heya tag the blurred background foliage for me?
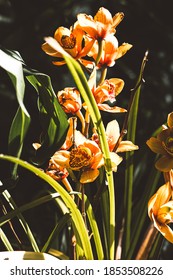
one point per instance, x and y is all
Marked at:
(147, 26)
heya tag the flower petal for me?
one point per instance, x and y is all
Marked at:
(164, 164)
(115, 109)
(89, 176)
(170, 120)
(115, 160)
(165, 230)
(123, 49)
(112, 133)
(156, 146)
(126, 146)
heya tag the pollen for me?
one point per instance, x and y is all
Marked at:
(68, 42)
(80, 157)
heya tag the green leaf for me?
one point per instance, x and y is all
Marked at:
(14, 68)
(52, 117)
(77, 219)
(131, 135)
(18, 131)
(12, 62)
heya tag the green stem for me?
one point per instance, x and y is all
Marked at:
(100, 44)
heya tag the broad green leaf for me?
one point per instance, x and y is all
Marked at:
(14, 68)
(52, 117)
(18, 131)
(12, 62)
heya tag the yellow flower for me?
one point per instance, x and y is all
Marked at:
(163, 145)
(101, 25)
(160, 211)
(72, 41)
(70, 100)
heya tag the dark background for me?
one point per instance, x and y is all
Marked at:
(147, 26)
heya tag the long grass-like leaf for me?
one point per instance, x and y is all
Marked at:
(5, 240)
(22, 221)
(131, 135)
(77, 220)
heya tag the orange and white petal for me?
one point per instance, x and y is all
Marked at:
(88, 24)
(119, 84)
(88, 176)
(156, 146)
(109, 109)
(164, 164)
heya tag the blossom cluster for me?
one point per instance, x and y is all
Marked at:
(91, 42)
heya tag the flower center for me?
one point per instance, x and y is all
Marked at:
(68, 42)
(80, 157)
(169, 144)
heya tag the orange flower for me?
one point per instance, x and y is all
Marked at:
(70, 100)
(163, 145)
(101, 25)
(160, 211)
(110, 52)
(107, 91)
(72, 41)
(86, 157)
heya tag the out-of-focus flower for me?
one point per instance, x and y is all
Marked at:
(101, 25)
(160, 211)
(163, 145)
(107, 91)
(72, 41)
(110, 52)
(70, 100)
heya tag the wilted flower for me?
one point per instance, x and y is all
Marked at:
(101, 25)
(163, 145)
(107, 91)
(160, 211)
(57, 172)
(70, 100)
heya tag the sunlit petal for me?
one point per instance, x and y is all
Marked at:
(126, 146)
(89, 176)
